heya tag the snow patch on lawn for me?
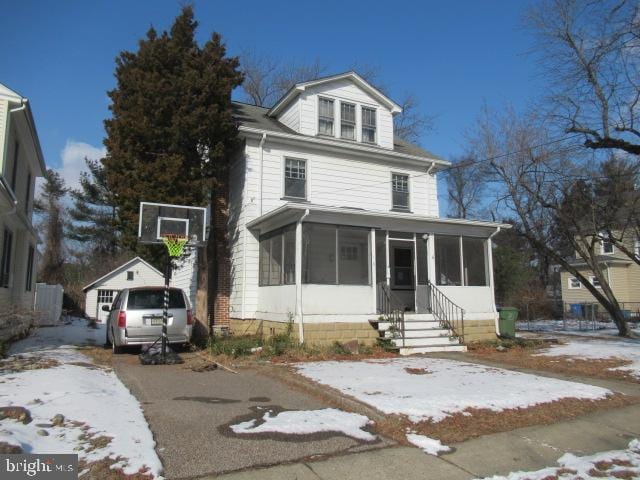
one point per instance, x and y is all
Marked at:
(451, 387)
(612, 464)
(304, 422)
(428, 445)
(82, 393)
(625, 349)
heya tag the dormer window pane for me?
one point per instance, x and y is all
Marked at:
(368, 125)
(400, 191)
(348, 121)
(325, 118)
(295, 178)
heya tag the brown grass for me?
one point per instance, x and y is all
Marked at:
(527, 358)
(325, 354)
(101, 470)
(417, 371)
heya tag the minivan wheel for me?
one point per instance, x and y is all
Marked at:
(107, 341)
(116, 349)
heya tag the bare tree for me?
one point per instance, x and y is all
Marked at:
(466, 183)
(591, 53)
(540, 184)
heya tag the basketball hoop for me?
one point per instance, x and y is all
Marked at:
(175, 244)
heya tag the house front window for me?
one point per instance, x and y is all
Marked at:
(325, 116)
(607, 248)
(335, 255)
(295, 178)
(368, 125)
(574, 283)
(400, 191)
(278, 257)
(595, 282)
(5, 261)
(636, 248)
(29, 276)
(348, 121)
(460, 261)
(105, 296)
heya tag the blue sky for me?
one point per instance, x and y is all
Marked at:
(453, 56)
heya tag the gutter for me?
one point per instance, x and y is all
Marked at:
(491, 282)
(364, 150)
(299, 283)
(32, 129)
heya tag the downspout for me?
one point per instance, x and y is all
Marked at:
(299, 282)
(261, 147)
(493, 290)
(431, 168)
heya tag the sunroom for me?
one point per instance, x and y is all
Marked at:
(331, 264)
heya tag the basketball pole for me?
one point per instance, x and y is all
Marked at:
(165, 307)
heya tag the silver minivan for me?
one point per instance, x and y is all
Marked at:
(135, 317)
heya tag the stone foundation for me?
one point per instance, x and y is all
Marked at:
(328, 333)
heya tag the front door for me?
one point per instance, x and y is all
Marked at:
(402, 278)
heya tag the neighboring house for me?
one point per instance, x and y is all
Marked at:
(623, 276)
(21, 161)
(136, 273)
(333, 222)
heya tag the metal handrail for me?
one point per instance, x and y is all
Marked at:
(391, 309)
(450, 315)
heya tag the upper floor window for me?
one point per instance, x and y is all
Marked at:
(607, 247)
(27, 197)
(295, 178)
(325, 116)
(368, 125)
(400, 191)
(5, 260)
(636, 248)
(595, 281)
(348, 121)
(29, 276)
(574, 283)
(129, 275)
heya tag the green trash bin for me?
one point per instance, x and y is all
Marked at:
(507, 321)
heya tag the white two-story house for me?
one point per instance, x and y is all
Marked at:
(21, 161)
(334, 226)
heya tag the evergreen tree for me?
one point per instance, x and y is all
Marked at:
(172, 128)
(94, 212)
(48, 206)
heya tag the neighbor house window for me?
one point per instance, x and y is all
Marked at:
(129, 275)
(30, 260)
(447, 253)
(368, 125)
(636, 248)
(574, 283)
(27, 196)
(106, 296)
(400, 191)
(335, 255)
(14, 171)
(295, 178)
(607, 247)
(278, 257)
(348, 121)
(473, 255)
(325, 116)
(5, 263)
(595, 282)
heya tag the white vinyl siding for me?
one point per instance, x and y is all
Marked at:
(290, 116)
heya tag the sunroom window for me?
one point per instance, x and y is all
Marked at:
(278, 257)
(460, 261)
(295, 178)
(348, 121)
(400, 191)
(325, 116)
(447, 253)
(368, 125)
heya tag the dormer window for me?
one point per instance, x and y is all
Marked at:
(325, 117)
(368, 125)
(607, 247)
(347, 121)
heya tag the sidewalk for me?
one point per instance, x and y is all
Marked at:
(530, 448)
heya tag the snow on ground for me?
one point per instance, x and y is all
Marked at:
(81, 392)
(427, 444)
(625, 349)
(304, 422)
(586, 328)
(445, 388)
(612, 464)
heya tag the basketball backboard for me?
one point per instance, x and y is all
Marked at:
(158, 220)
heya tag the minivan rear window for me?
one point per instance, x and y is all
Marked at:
(153, 299)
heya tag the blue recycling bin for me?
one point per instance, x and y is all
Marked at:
(577, 309)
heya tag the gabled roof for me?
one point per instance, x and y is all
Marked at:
(7, 92)
(124, 266)
(254, 117)
(351, 75)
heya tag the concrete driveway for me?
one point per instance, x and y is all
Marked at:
(189, 413)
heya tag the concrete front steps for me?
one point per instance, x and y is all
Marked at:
(422, 334)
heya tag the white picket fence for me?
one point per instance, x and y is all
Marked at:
(48, 303)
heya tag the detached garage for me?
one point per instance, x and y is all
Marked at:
(135, 273)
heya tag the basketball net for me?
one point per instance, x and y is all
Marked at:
(175, 244)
